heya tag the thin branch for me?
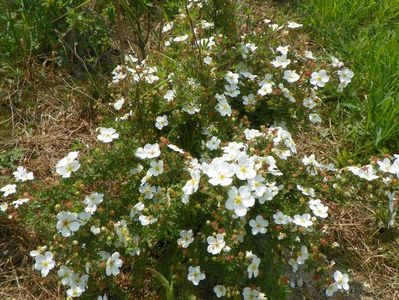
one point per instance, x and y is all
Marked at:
(195, 36)
(120, 30)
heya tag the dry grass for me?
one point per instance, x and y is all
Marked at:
(18, 279)
(47, 115)
(369, 254)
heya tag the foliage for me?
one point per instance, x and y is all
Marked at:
(68, 28)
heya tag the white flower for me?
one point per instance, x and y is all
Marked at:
(21, 174)
(3, 206)
(9, 189)
(309, 102)
(180, 38)
(192, 185)
(186, 238)
(336, 63)
(67, 223)
(294, 264)
(253, 268)
(156, 168)
(213, 143)
(215, 244)
(259, 225)
(283, 50)
(85, 216)
(303, 255)
(161, 122)
(232, 151)
(149, 151)
(147, 220)
(190, 108)
(92, 201)
(95, 230)
(148, 191)
(107, 135)
(281, 61)
(306, 191)
(291, 76)
(271, 191)
(281, 219)
(220, 290)
(341, 280)
(167, 27)
(394, 168)
(66, 170)
(170, 95)
(67, 276)
(319, 210)
(246, 48)
(208, 60)
(44, 263)
(265, 89)
(232, 78)
(319, 79)
(366, 172)
(231, 90)
(113, 264)
(315, 118)
(309, 55)
(240, 200)
(252, 294)
(223, 107)
(384, 165)
(75, 291)
(331, 289)
(303, 220)
(257, 185)
(68, 164)
(249, 99)
(195, 275)
(175, 148)
(220, 172)
(345, 76)
(251, 134)
(312, 165)
(137, 208)
(267, 79)
(293, 25)
(244, 168)
(119, 103)
(207, 25)
(20, 202)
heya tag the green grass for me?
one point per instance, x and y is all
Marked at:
(366, 34)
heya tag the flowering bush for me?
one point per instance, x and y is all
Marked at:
(196, 179)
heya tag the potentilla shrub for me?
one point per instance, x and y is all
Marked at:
(196, 180)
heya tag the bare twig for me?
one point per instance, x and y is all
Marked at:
(120, 30)
(194, 35)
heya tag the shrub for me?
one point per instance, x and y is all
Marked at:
(68, 27)
(197, 180)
